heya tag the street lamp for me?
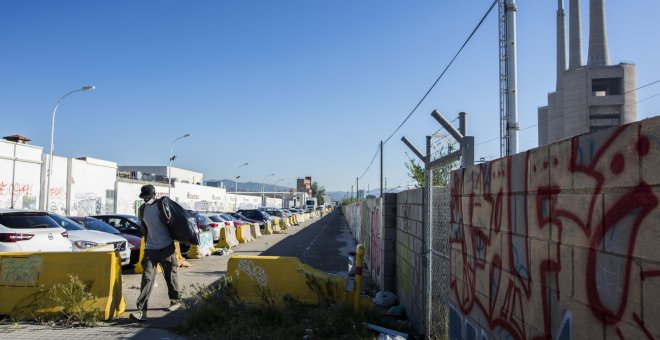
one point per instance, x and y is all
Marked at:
(263, 200)
(236, 187)
(52, 138)
(274, 187)
(169, 167)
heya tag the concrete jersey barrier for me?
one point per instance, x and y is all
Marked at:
(227, 238)
(255, 230)
(205, 247)
(268, 228)
(22, 276)
(243, 233)
(282, 276)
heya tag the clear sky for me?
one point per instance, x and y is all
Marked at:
(296, 88)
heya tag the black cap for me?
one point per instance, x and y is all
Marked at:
(147, 190)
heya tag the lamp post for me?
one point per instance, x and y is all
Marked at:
(263, 200)
(236, 187)
(236, 193)
(169, 167)
(52, 139)
(274, 187)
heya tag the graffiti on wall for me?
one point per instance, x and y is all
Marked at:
(86, 204)
(541, 238)
(22, 196)
(364, 220)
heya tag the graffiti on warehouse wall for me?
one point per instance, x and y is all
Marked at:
(85, 204)
(22, 196)
(558, 236)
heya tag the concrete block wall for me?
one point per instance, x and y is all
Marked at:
(560, 241)
(409, 258)
(388, 248)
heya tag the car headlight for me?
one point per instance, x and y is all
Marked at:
(85, 244)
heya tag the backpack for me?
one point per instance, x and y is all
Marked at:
(178, 220)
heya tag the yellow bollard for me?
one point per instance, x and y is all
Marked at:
(359, 261)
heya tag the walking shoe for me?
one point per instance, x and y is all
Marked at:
(139, 316)
(174, 305)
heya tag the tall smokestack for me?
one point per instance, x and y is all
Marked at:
(598, 55)
(561, 44)
(575, 39)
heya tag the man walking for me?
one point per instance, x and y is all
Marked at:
(159, 249)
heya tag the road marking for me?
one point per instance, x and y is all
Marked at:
(314, 240)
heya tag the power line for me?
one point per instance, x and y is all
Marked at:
(443, 72)
(434, 83)
(372, 161)
(647, 98)
(625, 93)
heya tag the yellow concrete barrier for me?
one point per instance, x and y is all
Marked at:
(255, 230)
(276, 227)
(25, 279)
(283, 276)
(243, 233)
(138, 267)
(227, 238)
(268, 228)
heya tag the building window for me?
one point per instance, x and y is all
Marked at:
(602, 87)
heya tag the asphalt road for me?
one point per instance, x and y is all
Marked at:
(323, 244)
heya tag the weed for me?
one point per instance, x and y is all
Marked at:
(75, 302)
(72, 301)
(216, 311)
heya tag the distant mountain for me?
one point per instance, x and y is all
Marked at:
(230, 185)
(340, 195)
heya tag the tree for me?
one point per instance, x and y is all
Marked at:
(318, 192)
(440, 174)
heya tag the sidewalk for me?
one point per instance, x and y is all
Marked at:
(327, 233)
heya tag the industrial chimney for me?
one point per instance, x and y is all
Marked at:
(561, 44)
(575, 39)
(598, 55)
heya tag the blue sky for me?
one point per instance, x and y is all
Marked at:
(295, 88)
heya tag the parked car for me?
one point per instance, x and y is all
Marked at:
(83, 239)
(31, 231)
(235, 220)
(217, 221)
(91, 223)
(242, 217)
(203, 222)
(260, 216)
(281, 213)
(127, 224)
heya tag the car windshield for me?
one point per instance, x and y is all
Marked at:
(216, 218)
(28, 220)
(228, 217)
(66, 223)
(94, 224)
(133, 219)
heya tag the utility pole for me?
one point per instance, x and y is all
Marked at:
(381, 168)
(357, 187)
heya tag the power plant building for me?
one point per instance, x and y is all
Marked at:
(588, 97)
